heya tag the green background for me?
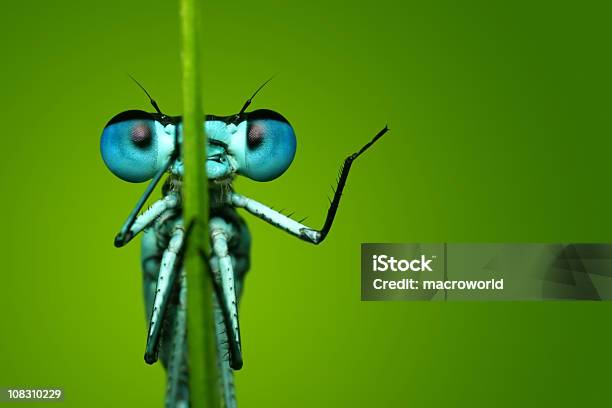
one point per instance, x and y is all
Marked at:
(500, 118)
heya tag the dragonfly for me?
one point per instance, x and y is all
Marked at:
(139, 146)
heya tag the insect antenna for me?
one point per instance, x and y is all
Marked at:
(153, 103)
(248, 102)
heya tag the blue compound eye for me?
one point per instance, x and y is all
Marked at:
(270, 145)
(129, 146)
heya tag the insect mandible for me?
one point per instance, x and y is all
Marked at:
(138, 146)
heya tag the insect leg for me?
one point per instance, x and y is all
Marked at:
(177, 394)
(150, 259)
(294, 227)
(165, 283)
(221, 232)
(124, 234)
(226, 375)
(172, 200)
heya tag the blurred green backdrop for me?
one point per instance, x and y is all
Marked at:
(500, 118)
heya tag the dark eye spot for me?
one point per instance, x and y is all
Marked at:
(141, 134)
(255, 136)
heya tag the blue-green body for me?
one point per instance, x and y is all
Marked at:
(138, 146)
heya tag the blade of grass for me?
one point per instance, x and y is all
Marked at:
(203, 378)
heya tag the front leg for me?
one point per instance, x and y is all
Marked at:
(294, 227)
(130, 230)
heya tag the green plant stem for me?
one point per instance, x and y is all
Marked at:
(203, 378)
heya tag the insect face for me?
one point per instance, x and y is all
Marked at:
(260, 145)
(220, 164)
(135, 145)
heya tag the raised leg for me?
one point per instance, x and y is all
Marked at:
(165, 283)
(295, 227)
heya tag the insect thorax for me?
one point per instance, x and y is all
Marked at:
(217, 192)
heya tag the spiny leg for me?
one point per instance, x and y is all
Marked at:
(226, 375)
(295, 227)
(173, 331)
(165, 283)
(221, 232)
